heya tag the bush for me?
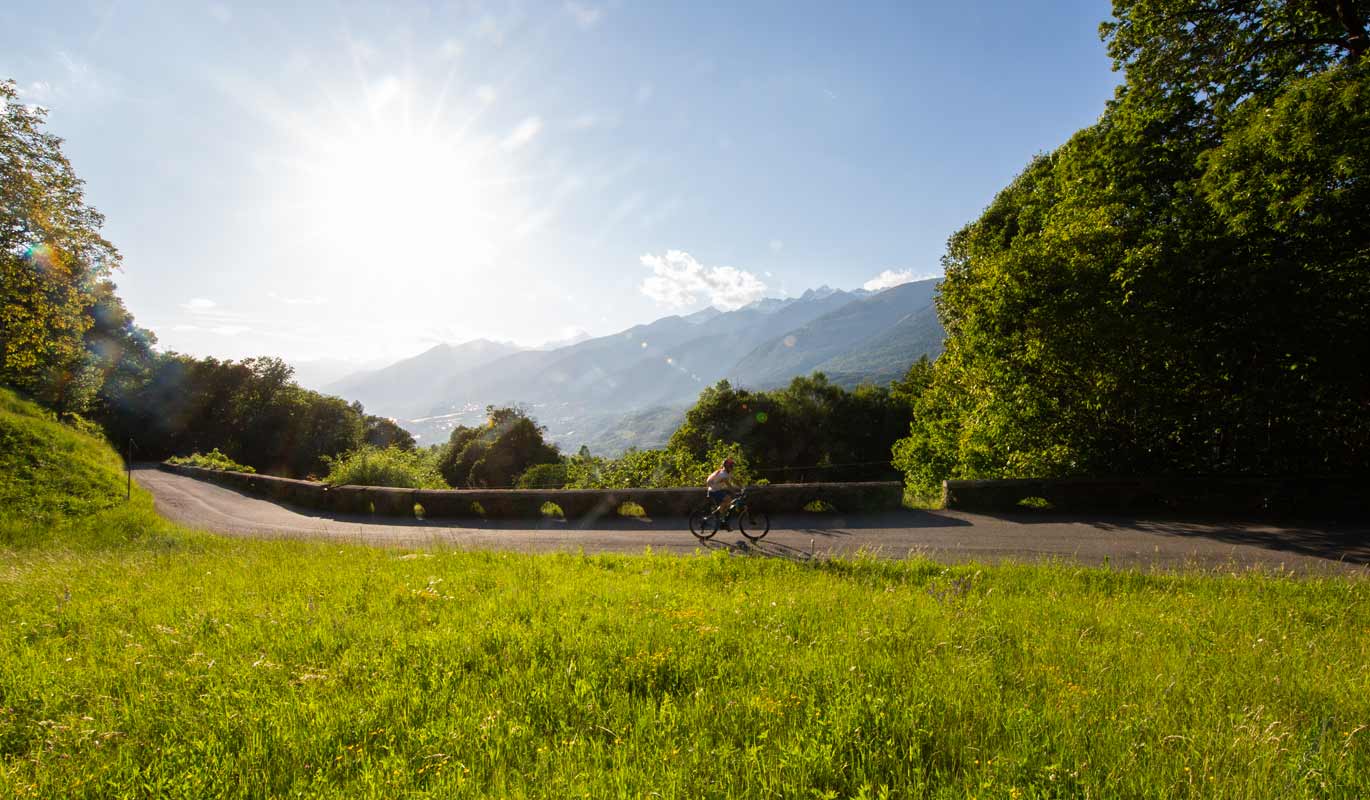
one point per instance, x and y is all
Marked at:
(390, 466)
(214, 459)
(654, 469)
(543, 476)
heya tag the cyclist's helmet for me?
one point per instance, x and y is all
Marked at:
(727, 463)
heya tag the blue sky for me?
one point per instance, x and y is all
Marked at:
(361, 181)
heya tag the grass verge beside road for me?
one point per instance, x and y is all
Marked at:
(138, 659)
(277, 668)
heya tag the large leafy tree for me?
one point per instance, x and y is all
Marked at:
(52, 262)
(810, 430)
(1224, 52)
(252, 410)
(1182, 286)
(495, 455)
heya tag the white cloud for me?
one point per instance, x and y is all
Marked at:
(585, 15)
(39, 92)
(230, 330)
(69, 81)
(891, 278)
(678, 280)
(309, 300)
(486, 94)
(584, 121)
(199, 304)
(522, 134)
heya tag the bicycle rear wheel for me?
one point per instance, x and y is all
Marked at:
(754, 524)
(703, 524)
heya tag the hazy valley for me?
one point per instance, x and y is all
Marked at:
(631, 389)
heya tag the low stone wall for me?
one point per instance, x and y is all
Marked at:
(1301, 495)
(529, 503)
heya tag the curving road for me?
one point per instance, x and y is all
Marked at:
(947, 536)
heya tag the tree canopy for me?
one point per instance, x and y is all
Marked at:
(1182, 287)
(53, 263)
(496, 454)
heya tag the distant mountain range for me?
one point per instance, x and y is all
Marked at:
(392, 390)
(632, 388)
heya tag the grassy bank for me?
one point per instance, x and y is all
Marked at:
(137, 659)
(292, 668)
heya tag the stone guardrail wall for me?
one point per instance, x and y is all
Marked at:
(526, 503)
(1312, 495)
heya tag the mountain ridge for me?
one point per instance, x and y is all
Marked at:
(653, 371)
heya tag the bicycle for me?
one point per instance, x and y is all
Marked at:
(751, 523)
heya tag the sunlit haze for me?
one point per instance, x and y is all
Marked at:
(359, 182)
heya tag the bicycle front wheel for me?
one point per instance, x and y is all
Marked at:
(703, 524)
(754, 524)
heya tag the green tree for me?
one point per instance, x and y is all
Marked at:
(52, 260)
(1180, 287)
(1221, 53)
(543, 476)
(383, 432)
(495, 455)
(811, 430)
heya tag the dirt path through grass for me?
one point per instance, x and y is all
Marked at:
(942, 535)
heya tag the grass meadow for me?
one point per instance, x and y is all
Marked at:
(142, 660)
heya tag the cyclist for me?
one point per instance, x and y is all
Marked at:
(721, 487)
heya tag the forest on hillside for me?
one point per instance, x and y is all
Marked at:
(1181, 288)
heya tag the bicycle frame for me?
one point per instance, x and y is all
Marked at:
(738, 504)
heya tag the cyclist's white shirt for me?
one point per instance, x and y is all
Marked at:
(721, 479)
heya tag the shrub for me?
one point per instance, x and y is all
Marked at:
(390, 466)
(659, 469)
(543, 476)
(214, 459)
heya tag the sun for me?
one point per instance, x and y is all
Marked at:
(394, 175)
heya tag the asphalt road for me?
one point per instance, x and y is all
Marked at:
(948, 536)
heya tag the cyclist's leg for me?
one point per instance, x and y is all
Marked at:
(725, 509)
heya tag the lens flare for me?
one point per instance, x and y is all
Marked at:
(40, 255)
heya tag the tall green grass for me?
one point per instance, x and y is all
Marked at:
(261, 669)
(178, 665)
(61, 486)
